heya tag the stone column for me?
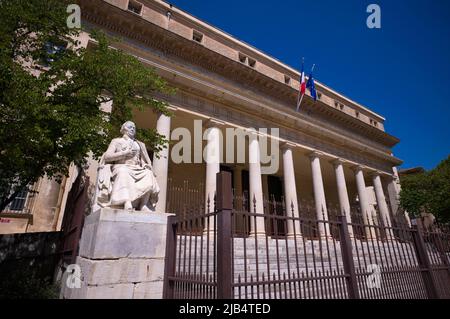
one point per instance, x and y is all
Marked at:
(394, 195)
(290, 190)
(344, 202)
(256, 191)
(364, 202)
(161, 164)
(212, 158)
(319, 194)
(382, 205)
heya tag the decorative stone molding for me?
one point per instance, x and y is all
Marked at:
(212, 122)
(315, 154)
(288, 145)
(338, 161)
(357, 168)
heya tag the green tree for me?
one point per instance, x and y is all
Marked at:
(51, 91)
(428, 192)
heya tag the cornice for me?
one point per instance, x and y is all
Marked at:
(231, 41)
(171, 44)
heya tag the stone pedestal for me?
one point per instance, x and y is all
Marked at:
(121, 256)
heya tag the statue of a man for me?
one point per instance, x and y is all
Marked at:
(126, 177)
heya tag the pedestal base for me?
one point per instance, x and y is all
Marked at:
(121, 256)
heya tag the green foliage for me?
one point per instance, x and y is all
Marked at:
(25, 282)
(428, 192)
(51, 119)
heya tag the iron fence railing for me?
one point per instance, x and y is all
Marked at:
(238, 252)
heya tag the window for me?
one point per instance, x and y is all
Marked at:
(247, 60)
(242, 58)
(339, 105)
(251, 62)
(357, 113)
(135, 7)
(319, 95)
(197, 36)
(22, 202)
(19, 202)
(287, 80)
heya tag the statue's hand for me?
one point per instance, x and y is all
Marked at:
(130, 153)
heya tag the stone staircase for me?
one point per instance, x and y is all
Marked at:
(306, 268)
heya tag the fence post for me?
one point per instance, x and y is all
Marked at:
(170, 260)
(224, 202)
(347, 258)
(424, 263)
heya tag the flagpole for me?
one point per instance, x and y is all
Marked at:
(312, 70)
(299, 101)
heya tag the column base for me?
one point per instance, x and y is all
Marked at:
(257, 234)
(327, 238)
(295, 236)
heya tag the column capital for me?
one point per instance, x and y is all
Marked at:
(212, 122)
(375, 173)
(358, 167)
(287, 145)
(171, 108)
(338, 161)
(252, 131)
(315, 154)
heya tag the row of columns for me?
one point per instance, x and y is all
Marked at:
(160, 167)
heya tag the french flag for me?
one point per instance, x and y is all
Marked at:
(302, 88)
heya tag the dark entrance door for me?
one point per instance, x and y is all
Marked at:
(276, 226)
(73, 220)
(241, 202)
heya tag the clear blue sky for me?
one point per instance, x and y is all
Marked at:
(401, 71)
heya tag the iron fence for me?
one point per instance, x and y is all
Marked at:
(234, 251)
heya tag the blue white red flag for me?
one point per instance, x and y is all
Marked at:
(311, 86)
(302, 87)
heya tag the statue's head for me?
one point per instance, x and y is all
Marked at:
(128, 128)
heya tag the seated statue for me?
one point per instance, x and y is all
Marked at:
(125, 178)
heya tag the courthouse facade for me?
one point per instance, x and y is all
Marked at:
(334, 154)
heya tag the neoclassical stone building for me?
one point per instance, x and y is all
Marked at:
(334, 154)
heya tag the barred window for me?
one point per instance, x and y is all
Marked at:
(19, 202)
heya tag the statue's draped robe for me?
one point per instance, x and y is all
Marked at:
(130, 180)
